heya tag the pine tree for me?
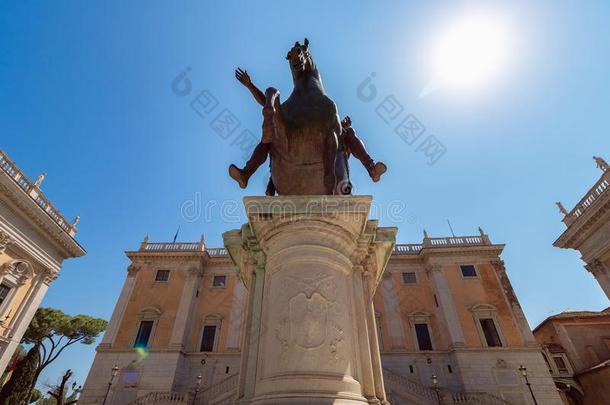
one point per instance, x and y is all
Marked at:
(17, 390)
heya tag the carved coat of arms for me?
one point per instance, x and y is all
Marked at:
(308, 320)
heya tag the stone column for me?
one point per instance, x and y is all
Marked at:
(236, 318)
(305, 339)
(447, 307)
(513, 302)
(183, 321)
(392, 311)
(601, 272)
(119, 308)
(370, 285)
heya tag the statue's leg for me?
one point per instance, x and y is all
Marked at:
(344, 185)
(256, 160)
(330, 163)
(270, 188)
(356, 147)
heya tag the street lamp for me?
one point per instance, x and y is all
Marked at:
(113, 374)
(197, 387)
(435, 388)
(523, 371)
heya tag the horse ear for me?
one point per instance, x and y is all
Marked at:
(306, 43)
(297, 44)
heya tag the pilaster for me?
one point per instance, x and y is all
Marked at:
(183, 321)
(513, 302)
(392, 312)
(119, 309)
(601, 272)
(446, 305)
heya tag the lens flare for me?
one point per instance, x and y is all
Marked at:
(470, 52)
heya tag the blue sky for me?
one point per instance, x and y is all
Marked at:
(86, 95)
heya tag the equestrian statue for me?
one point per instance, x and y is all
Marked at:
(308, 146)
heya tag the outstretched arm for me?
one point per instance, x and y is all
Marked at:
(244, 78)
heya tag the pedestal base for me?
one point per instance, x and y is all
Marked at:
(311, 265)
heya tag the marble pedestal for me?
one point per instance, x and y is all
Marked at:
(311, 265)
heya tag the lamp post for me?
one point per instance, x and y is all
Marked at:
(436, 389)
(197, 387)
(113, 374)
(523, 371)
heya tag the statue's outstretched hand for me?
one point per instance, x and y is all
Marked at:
(346, 122)
(243, 77)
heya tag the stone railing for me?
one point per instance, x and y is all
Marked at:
(476, 398)
(162, 398)
(172, 246)
(593, 195)
(407, 249)
(10, 168)
(215, 392)
(410, 387)
(221, 392)
(457, 241)
(400, 249)
(182, 247)
(217, 252)
(413, 249)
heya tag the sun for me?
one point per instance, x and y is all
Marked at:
(469, 52)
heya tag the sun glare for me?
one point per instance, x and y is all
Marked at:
(468, 53)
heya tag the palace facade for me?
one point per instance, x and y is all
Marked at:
(588, 228)
(449, 327)
(35, 239)
(576, 347)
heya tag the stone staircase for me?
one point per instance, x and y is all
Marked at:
(223, 392)
(400, 391)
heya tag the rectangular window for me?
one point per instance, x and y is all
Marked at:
(143, 334)
(408, 277)
(219, 281)
(468, 270)
(561, 365)
(4, 290)
(423, 336)
(162, 275)
(207, 338)
(491, 333)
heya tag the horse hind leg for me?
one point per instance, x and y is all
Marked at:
(330, 163)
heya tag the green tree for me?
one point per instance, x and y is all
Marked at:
(35, 396)
(59, 393)
(17, 355)
(51, 332)
(18, 388)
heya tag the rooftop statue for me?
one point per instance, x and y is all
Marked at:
(601, 163)
(308, 145)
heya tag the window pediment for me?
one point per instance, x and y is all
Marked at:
(150, 313)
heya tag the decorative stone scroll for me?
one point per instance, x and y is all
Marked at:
(22, 270)
(5, 241)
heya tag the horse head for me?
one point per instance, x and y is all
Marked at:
(301, 63)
